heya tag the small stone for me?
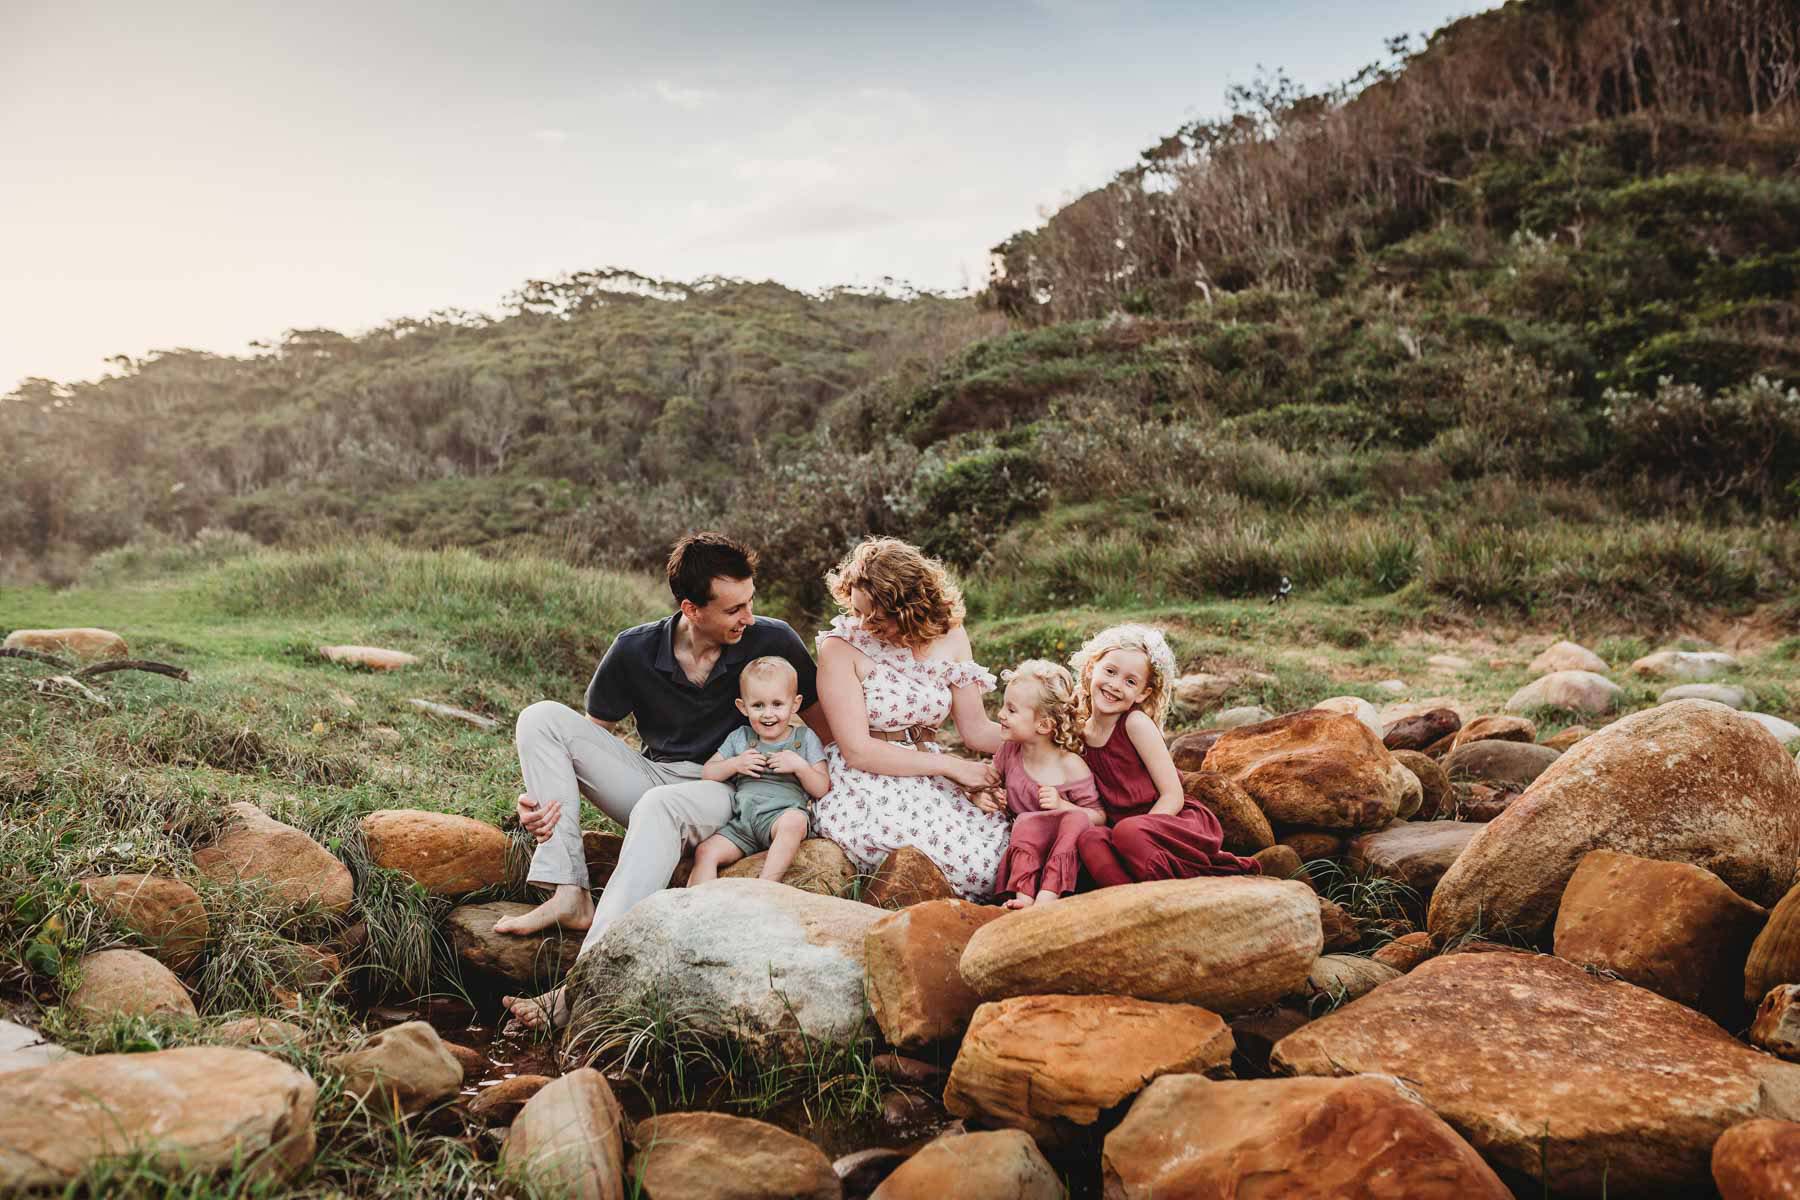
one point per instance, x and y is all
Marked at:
(1758, 1160)
(1415, 853)
(1353, 706)
(903, 1110)
(1235, 718)
(1391, 687)
(1280, 862)
(446, 854)
(88, 644)
(1200, 690)
(713, 1156)
(1577, 691)
(1497, 729)
(1567, 656)
(405, 1068)
(1448, 663)
(904, 878)
(128, 983)
(1002, 1165)
(901, 1069)
(862, 1171)
(567, 1139)
(1566, 738)
(1189, 749)
(1730, 695)
(602, 853)
(1691, 666)
(500, 1104)
(1777, 1024)
(820, 867)
(1510, 766)
(1342, 978)
(1245, 827)
(473, 1062)
(264, 1033)
(1434, 785)
(1341, 931)
(1315, 844)
(22, 1047)
(253, 847)
(166, 913)
(1315, 769)
(373, 657)
(1785, 732)
(1405, 952)
(451, 713)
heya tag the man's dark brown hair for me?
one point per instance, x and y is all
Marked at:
(699, 558)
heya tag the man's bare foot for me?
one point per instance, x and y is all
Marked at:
(1020, 901)
(569, 906)
(1044, 898)
(548, 1012)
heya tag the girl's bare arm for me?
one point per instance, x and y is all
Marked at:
(1147, 740)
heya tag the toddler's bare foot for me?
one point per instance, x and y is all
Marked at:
(1020, 901)
(548, 1012)
(569, 907)
(1044, 898)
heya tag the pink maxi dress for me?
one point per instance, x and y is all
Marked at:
(871, 815)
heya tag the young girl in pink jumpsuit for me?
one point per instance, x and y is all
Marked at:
(1153, 830)
(1049, 790)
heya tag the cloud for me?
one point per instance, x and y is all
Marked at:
(690, 98)
(550, 137)
(778, 222)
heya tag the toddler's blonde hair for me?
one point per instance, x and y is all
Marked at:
(770, 666)
(1146, 640)
(1057, 700)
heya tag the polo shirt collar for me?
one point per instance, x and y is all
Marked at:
(732, 655)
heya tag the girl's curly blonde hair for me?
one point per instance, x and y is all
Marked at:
(1056, 700)
(1146, 640)
(916, 592)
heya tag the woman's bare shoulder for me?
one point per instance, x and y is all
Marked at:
(954, 644)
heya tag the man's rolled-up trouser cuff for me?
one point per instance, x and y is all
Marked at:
(554, 865)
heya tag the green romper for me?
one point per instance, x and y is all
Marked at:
(756, 803)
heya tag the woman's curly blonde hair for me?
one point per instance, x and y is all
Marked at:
(1146, 640)
(915, 591)
(1056, 700)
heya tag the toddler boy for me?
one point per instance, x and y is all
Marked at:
(775, 769)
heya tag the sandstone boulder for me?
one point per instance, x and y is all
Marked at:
(166, 913)
(85, 644)
(712, 1156)
(1237, 718)
(531, 959)
(1758, 1160)
(1775, 954)
(567, 1140)
(1247, 830)
(1415, 853)
(1311, 845)
(1322, 770)
(601, 850)
(1002, 1165)
(1037, 1062)
(1668, 926)
(502, 1103)
(741, 958)
(1341, 930)
(1777, 1024)
(1405, 952)
(375, 658)
(1434, 785)
(1565, 738)
(1784, 732)
(128, 983)
(1509, 766)
(445, 854)
(1200, 690)
(1448, 663)
(1567, 656)
(1728, 694)
(260, 1033)
(1421, 730)
(23, 1047)
(1279, 862)
(1495, 729)
(405, 1068)
(1578, 691)
(1689, 666)
(1534, 1060)
(1341, 978)
(1229, 943)
(193, 1109)
(906, 876)
(1354, 706)
(1189, 749)
(916, 993)
(820, 867)
(1686, 782)
(255, 848)
(1365, 1136)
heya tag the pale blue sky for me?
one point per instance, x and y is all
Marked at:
(204, 174)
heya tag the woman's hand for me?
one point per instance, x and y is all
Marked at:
(967, 773)
(988, 800)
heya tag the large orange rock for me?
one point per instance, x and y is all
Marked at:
(567, 1139)
(1416, 853)
(1758, 1160)
(446, 854)
(186, 1110)
(1002, 1165)
(1314, 768)
(1230, 944)
(915, 991)
(1040, 1063)
(85, 644)
(906, 876)
(119, 983)
(1246, 828)
(1536, 1061)
(1691, 782)
(1775, 954)
(166, 913)
(712, 1156)
(1366, 1136)
(1670, 927)
(255, 848)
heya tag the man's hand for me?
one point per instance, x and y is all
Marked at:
(751, 762)
(539, 820)
(787, 762)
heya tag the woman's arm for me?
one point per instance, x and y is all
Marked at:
(1147, 740)
(841, 696)
(978, 731)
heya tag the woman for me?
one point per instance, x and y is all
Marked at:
(891, 668)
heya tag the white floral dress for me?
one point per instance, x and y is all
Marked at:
(870, 815)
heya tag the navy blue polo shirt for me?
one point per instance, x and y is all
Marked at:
(678, 721)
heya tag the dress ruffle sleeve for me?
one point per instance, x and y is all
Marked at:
(960, 674)
(850, 629)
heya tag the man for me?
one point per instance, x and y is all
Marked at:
(679, 678)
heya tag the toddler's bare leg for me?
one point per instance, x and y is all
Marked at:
(715, 852)
(788, 833)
